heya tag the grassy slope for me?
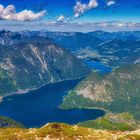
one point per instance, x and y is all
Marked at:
(7, 85)
(66, 132)
(122, 122)
(6, 122)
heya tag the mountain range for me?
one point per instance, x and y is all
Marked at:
(113, 49)
(28, 62)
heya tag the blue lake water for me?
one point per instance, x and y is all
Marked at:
(39, 107)
(93, 65)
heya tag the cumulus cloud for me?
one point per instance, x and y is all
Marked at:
(110, 2)
(9, 13)
(80, 9)
(61, 18)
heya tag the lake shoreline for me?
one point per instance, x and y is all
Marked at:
(26, 91)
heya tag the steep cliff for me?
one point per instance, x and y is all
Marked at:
(33, 61)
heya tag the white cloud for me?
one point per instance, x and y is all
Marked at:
(28, 15)
(92, 4)
(80, 8)
(9, 13)
(1, 9)
(120, 25)
(61, 18)
(110, 26)
(110, 2)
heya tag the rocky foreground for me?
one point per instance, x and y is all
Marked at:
(66, 132)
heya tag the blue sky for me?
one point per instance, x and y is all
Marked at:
(69, 12)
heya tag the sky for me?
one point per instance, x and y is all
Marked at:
(70, 15)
